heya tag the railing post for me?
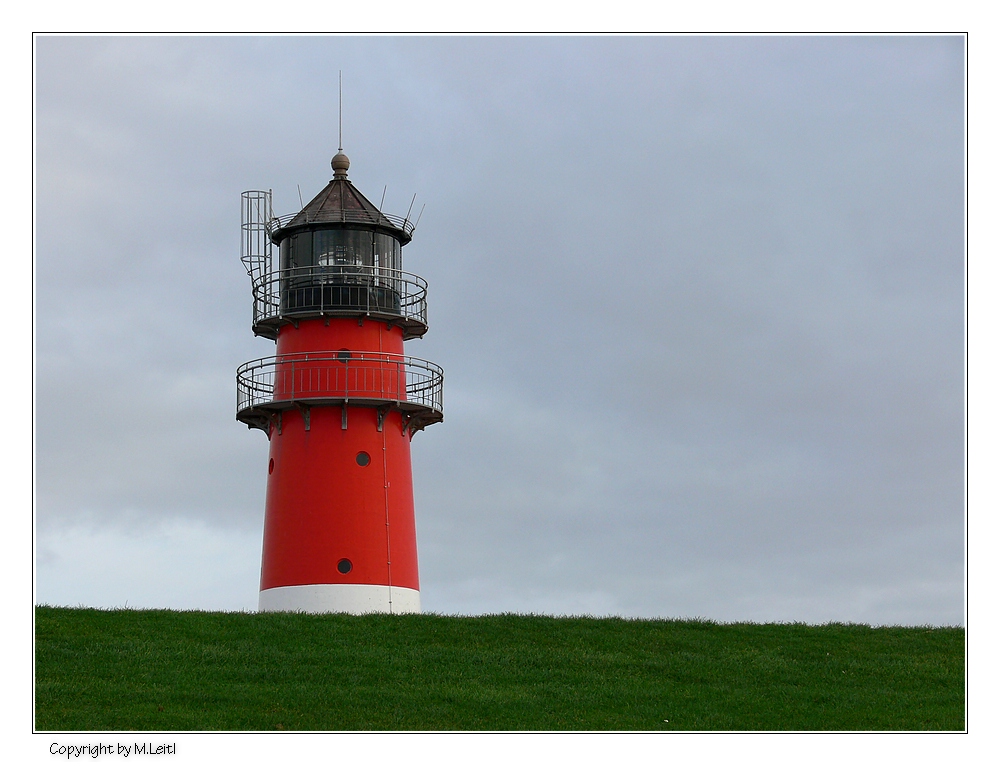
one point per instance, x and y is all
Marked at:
(322, 294)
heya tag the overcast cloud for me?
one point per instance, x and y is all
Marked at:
(699, 302)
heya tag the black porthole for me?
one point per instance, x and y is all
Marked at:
(363, 459)
(270, 466)
(344, 566)
(344, 355)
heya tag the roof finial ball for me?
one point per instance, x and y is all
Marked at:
(340, 164)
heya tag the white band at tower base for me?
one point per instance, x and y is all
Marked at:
(351, 599)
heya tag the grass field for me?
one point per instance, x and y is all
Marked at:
(181, 671)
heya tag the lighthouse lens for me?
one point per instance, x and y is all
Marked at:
(344, 566)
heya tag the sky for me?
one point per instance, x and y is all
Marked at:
(699, 302)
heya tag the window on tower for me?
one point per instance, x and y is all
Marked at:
(340, 248)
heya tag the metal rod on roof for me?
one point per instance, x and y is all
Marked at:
(417, 222)
(340, 137)
(381, 203)
(410, 208)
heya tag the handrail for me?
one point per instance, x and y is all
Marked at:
(371, 376)
(370, 290)
(342, 216)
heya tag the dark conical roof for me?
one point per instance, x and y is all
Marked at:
(341, 202)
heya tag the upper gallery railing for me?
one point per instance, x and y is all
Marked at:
(340, 289)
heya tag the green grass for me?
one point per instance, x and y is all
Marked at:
(180, 671)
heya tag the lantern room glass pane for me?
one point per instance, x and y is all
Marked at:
(387, 251)
(300, 249)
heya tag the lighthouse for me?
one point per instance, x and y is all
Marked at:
(339, 400)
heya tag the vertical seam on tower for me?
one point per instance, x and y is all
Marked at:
(385, 493)
(388, 547)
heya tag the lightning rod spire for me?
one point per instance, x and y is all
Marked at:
(340, 163)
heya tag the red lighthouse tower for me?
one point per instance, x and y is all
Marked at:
(339, 400)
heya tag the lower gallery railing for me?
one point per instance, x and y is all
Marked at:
(278, 381)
